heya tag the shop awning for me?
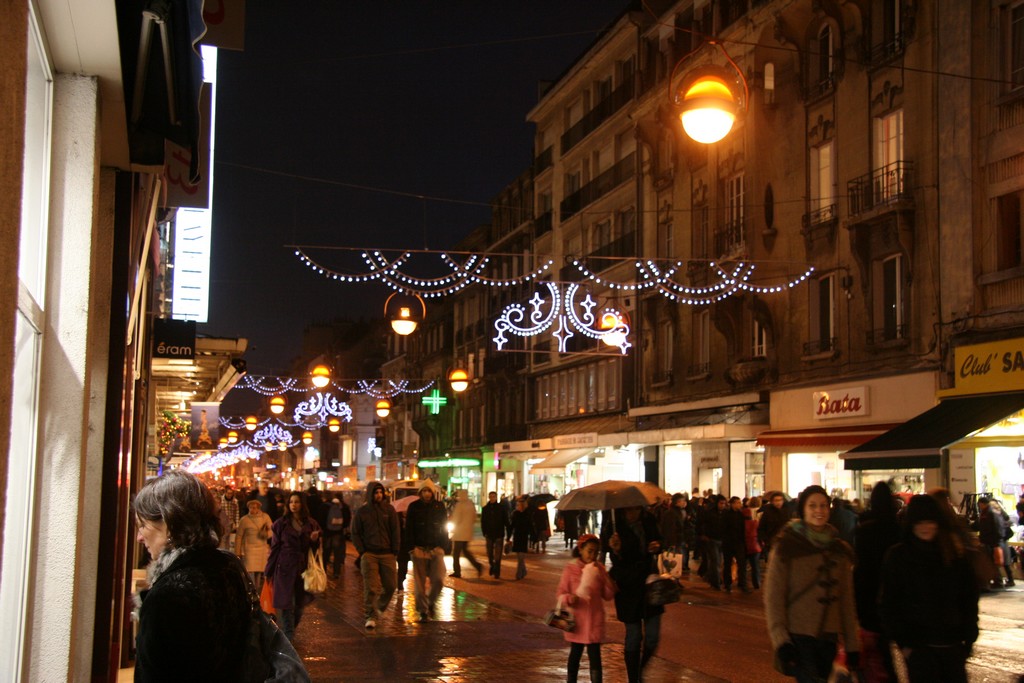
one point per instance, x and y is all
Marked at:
(836, 438)
(918, 442)
(558, 460)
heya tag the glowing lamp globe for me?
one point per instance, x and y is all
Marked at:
(307, 438)
(251, 422)
(282, 446)
(383, 407)
(222, 442)
(277, 405)
(268, 446)
(321, 376)
(232, 437)
(403, 322)
(708, 110)
(614, 327)
(334, 424)
(459, 379)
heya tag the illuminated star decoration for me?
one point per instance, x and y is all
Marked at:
(563, 309)
(434, 400)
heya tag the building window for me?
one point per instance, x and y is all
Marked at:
(701, 344)
(731, 236)
(601, 235)
(1008, 231)
(889, 299)
(826, 56)
(572, 183)
(887, 179)
(664, 343)
(822, 311)
(699, 230)
(759, 339)
(1015, 58)
(822, 177)
(664, 247)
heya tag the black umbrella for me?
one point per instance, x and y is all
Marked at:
(540, 499)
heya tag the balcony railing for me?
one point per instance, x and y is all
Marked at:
(543, 161)
(730, 237)
(819, 346)
(624, 246)
(886, 50)
(599, 186)
(601, 112)
(662, 377)
(698, 370)
(887, 185)
(820, 222)
(886, 334)
(821, 88)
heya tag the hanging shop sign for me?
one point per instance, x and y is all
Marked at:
(174, 339)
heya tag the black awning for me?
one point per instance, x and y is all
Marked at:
(918, 442)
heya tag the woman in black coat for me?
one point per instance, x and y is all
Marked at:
(633, 543)
(522, 534)
(929, 599)
(194, 617)
(878, 531)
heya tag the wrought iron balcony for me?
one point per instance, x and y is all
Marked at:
(820, 346)
(820, 222)
(890, 184)
(599, 186)
(731, 237)
(892, 47)
(617, 248)
(886, 334)
(662, 378)
(601, 112)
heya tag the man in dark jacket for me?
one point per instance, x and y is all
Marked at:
(734, 544)
(426, 524)
(376, 536)
(339, 518)
(878, 531)
(775, 516)
(495, 526)
(712, 531)
(991, 529)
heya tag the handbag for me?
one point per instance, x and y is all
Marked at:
(268, 656)
(314, 579)
(662, 589)
(560, 618)
(670, 563)
(267, 598)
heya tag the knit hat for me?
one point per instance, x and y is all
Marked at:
(801, 501)
(587, 538)
(922, 509)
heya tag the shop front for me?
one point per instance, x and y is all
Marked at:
(455, 471)
(974, 437)
(812, 427)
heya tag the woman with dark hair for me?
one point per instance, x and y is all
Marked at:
(808, 593)
(293, 534)
(194, 617)
(929, 599)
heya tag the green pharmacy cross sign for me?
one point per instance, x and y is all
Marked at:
(434, 400)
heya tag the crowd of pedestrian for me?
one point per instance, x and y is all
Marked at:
(861, 587)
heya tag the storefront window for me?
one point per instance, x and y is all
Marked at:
(678, 469)
(822, 469)
(1000, 473)
(754, 475)
(903, 483)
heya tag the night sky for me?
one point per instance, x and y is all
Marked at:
(339, 116)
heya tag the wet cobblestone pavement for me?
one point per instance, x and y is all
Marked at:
(471, 639)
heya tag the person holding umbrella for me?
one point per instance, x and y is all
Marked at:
(634, 542)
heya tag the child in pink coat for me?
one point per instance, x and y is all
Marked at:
(584, 587)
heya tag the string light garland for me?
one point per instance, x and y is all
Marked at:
(389, 273)
(563, 308)
(170, 430)
(649, 276)
(269, 385)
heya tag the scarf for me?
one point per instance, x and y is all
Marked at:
(819, 539)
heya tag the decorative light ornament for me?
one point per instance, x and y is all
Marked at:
(268, 446)
(321, 376)
(334, 424)
(282, 446)
(251, 422)
(405, 313)
(383, 407)
(322, 406)
(708, 109)
(459, 379)
(307, 438)
(564, 309)
(222, 442)
(277, 405)
(232, 437)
